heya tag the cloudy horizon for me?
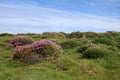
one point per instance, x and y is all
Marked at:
(37, 16)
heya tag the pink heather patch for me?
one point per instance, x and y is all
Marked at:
(20, 41)
(43, 47)
(19, 49)
(45, 42)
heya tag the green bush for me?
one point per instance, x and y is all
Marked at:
(86, 46)
(94, 53)
(82, 49)
(90, 34)
(105, 41)
(75, 35)
(69, 44)
(5, 34)
(118, 40)
(104, 35)
(54, 35)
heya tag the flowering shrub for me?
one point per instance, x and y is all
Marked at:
(22, 51)
(45, 47)
(32, 53)
(20, 41)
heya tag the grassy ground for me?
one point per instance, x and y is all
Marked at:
(69, 66)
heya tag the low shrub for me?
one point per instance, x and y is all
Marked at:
(22, 52)
(45, 47)
(104, 35)
(20, 41)
(105, 41)
(55, 35)
(86, 46)
(90, 34)
(94, 53)
(118, 41)
(32, 53)
(69, 44)
(75, 35)
(5, 34)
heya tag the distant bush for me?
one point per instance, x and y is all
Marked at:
(69, 44)
(20, 41)
(86, 46)
(53, 35)
(5, 34)
(94, 53)
(104, 35)
(75, 35)
(90, 34)
(114, 34)
(103, 41)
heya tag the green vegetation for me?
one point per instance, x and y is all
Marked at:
(103, 41)
(69, 44)
(84, 56)
(94, 53)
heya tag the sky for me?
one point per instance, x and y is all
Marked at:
(37, 16)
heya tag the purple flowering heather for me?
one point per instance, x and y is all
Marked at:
(45, 42)
(44, 48)
(20, 41)
(21, 51)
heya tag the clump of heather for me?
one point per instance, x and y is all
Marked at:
(45, 47)
(22, 52)
(32, 53)
(20, 41)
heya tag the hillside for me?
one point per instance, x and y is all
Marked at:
(84, 56)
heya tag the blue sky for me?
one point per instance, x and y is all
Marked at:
(37, 16)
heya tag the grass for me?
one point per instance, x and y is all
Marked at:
(70, 65)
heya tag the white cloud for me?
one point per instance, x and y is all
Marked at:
(31, 16)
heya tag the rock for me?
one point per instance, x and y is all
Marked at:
(32, 59)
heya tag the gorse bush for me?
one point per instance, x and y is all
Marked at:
(20, 41)
(105, 41)
(94, 53)
(69, 44)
